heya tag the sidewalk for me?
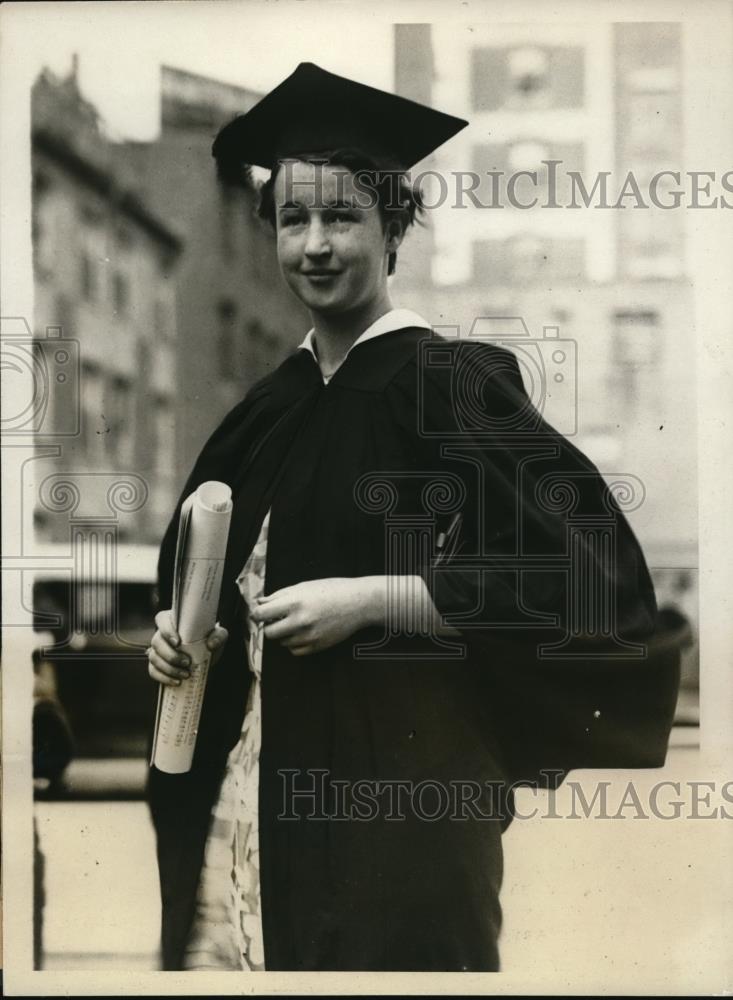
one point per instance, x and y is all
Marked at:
(581, 896)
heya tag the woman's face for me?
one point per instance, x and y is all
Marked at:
(332, 247)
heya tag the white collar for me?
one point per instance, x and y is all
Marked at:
(395, 319)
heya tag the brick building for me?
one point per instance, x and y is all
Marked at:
(104, 267)
(163, 275)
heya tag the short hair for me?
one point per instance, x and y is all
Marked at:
(396, 198)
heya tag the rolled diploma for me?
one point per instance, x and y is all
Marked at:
(200, 551)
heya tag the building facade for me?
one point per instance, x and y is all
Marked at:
(162, 277)
(552, 109)
(105, 320)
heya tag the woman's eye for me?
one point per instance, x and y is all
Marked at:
(291, 220)
(342, 217)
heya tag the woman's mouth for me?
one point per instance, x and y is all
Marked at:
(320, 276)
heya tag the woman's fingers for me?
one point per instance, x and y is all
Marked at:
(283, 594)
(163, 671)
(166, 663)
(161, 678)
(217, 637)
(299, 637)
(166, 652)
(270, 612)
(284, 629)
(164, 621)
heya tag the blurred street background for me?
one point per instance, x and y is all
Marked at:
(158, 299)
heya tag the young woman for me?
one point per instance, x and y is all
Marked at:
(392, 572)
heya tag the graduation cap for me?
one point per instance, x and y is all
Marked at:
(314, 111)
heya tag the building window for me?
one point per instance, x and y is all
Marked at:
(162, 326)
(272, 342)
(528, 155)
(489, 80)
(90, 214)
(528, 256)
(553, 183)
(120, 294)
(636, 337)
(120, 419)
(528, 259)
(534, 259)
(164, 431)
(652, 125)
(166, 264)
(124, 237)
(65, 313)
(490, 262)
(88, 277)
(567, 77)
(651, 242)
(254, 332)
(526, 77)
(529, 73)
(228, 220)
(226, 343)
(42, 226)
(93, 429)
(532, 155)
(636, 348)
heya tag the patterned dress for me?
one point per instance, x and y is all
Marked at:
(227, 925)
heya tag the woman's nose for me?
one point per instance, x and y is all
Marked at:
(317, 244)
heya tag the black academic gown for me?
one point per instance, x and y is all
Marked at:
(362, 476)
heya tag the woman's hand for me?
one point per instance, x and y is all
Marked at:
(168, 666)
(317, 614)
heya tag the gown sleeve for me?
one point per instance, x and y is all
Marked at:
(539, 571)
